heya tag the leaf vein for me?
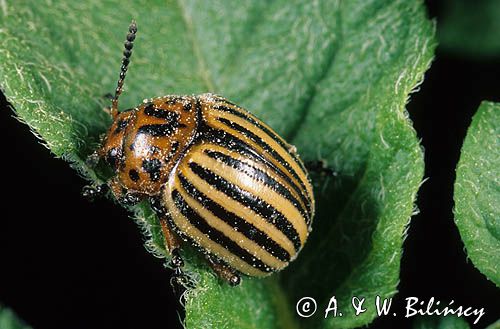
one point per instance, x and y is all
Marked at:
(306, 107)
(202, 66)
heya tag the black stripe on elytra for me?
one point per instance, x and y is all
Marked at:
(238, 223)
(161, 211)
(242, 114)
(153, 168)
(259, 141)
(260, 176)
(247, 199)
(170, 116)
(198, 109)
(233, 143)
(215, 235)
(173, 101)
(158, 207)
(134, 175)
(223, 100)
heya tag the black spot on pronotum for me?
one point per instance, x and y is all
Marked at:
(172, 101)
(175, 146)
(160, 130)
(120, 126)
(134, 175)
(152, 167)
(159, 113)
(156, 130)
(153, 150)
(113, 157)
(187, 107)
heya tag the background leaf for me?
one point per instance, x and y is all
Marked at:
(495, 325)
(470, 27)
(477, 191)
(332, 77)
(8, 320)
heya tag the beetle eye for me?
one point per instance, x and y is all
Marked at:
(113, 157)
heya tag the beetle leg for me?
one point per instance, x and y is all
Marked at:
(123, 196)
(172, 241)
(115, 188)
(320, 167)
(179, 281)
(93, 159)
(223, 271)
(91, 192)
(172, 244)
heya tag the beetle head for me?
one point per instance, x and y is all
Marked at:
(112, 148)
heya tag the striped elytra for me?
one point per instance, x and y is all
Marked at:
(217, 177)
(239, 193)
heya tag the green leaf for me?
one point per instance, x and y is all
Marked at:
(470, 28)
(9, 320)
(477, 191)
(440, 322)
(495, 325)
(332, 77)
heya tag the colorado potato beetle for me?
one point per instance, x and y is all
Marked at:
(216, 176)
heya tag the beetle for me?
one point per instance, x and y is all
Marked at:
(216, 176)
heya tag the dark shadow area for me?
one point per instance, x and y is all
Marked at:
(67, 262)
(333, 219)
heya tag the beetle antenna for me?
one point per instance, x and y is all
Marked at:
(129, 44)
